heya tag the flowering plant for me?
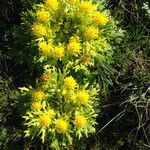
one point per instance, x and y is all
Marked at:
(68, 38)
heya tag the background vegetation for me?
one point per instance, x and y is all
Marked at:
(123, 122)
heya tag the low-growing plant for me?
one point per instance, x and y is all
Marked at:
(72, 44)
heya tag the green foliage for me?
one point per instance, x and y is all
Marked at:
(8, 114)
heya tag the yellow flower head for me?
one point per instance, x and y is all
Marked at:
(72, 2)
(59, 52)
(91, 33)
(45, 120)
(52, 4)
(42, 15)
(61, 126)
(80, 121)
(82, 97)
(73, 47)
(70, 82)
(45, 48)
(100, 18)
(39, 30)
(36, 105)
(86, 7)
(38, 95)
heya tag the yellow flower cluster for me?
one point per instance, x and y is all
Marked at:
(52, 4)
(38, 95)
(58, 52)
(86, 7)
(100, 18)
(73, 47)
(80, 121)
(70, 82)
(91, 33)
(39, 30)
(82, 97)
(45, 48)
(61, 126)
(45, 120)
(42, 15)
(36, 105)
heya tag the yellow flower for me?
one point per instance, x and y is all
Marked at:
(80, 121)
(73, 47)
(45, 48)
(36, 105)
(91, 33)
(70, 82)
(82, 97)
(39, 30)
(52, 4)
(59, 52)
(42, 15)
(86, 7)
(72, 2)
(100, 18)
(45, 120)
(61, 126)
(38, 95)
